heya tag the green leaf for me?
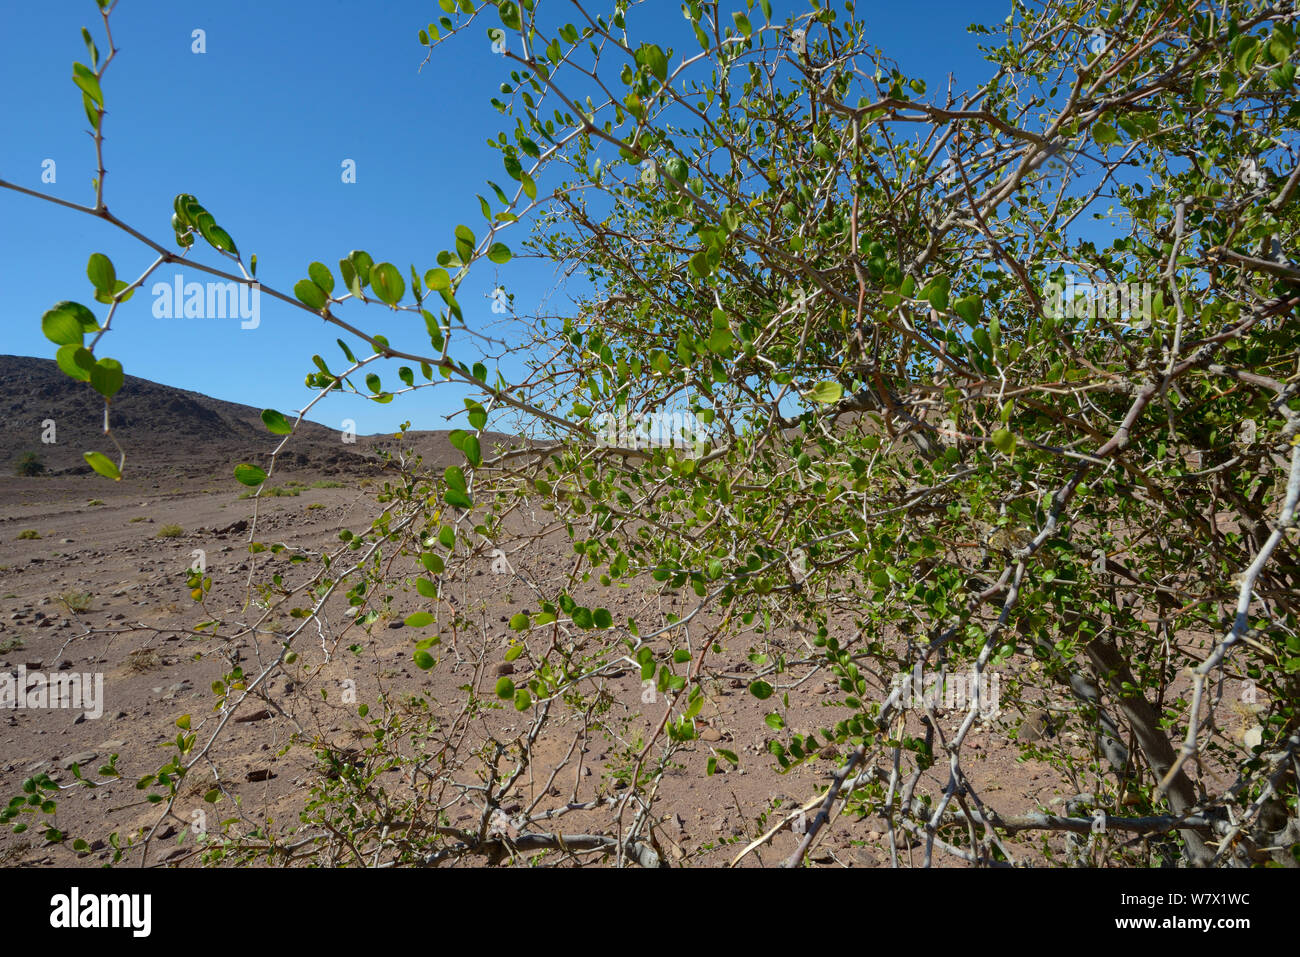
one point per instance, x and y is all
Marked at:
(310, 294)
(106, 377)
(102, 275)
(937, 292)
(103, 465)
(508, 10)
(761, 690)
(361, 265)
(523, 700)
(118, 287)
(518, 622)
(826, 392)
(76, 361)
(582, 617)
(505, 688)
(742, 24)
(650, 56)
(602, 618)
(418, 620)
(774, 721)
(85, 78)
(249, 475)
(464, 243)
(276, 422)
(426, 588)
(499, 253)
(423, 660)
(60, 326)
(969, 308)
(1004, 441)
(220, 239)
(457, 499)
(1104, 134)
(470, 446)
(437, 279)
(387, 283)
(321, 276)
(454, 476)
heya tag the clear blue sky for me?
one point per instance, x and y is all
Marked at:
(257, 128)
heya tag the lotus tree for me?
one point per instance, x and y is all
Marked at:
(916, 457)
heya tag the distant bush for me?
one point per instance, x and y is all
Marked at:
(29, 464)
(28, 534)
(77, 601)
(274, 492)
(171, 531)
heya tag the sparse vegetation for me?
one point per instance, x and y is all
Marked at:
(29, 464)
(325, 483)
(315, 505)
(276, 491)
(28, 534)
(77, 601)
(94, 501)
(12, 643)
(170, 531)
(142, 660)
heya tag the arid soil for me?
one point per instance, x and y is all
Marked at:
(93, 580)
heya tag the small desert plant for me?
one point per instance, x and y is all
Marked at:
(315, 505)
(276, 491)
(143, 659)
(171, 531)
(76, 601)
(29, 534)
(12, 644)
(29, 464)
(325, 483)
(140, 518)
(95, 501)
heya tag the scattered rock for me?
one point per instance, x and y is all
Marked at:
(80, 758)
(1036, 726)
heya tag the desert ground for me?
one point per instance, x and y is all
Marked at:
(93, 579)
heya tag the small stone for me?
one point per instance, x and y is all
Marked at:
(80, 758)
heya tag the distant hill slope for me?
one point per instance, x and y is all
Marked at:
(160, 425)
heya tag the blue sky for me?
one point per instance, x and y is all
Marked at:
(257, 127)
